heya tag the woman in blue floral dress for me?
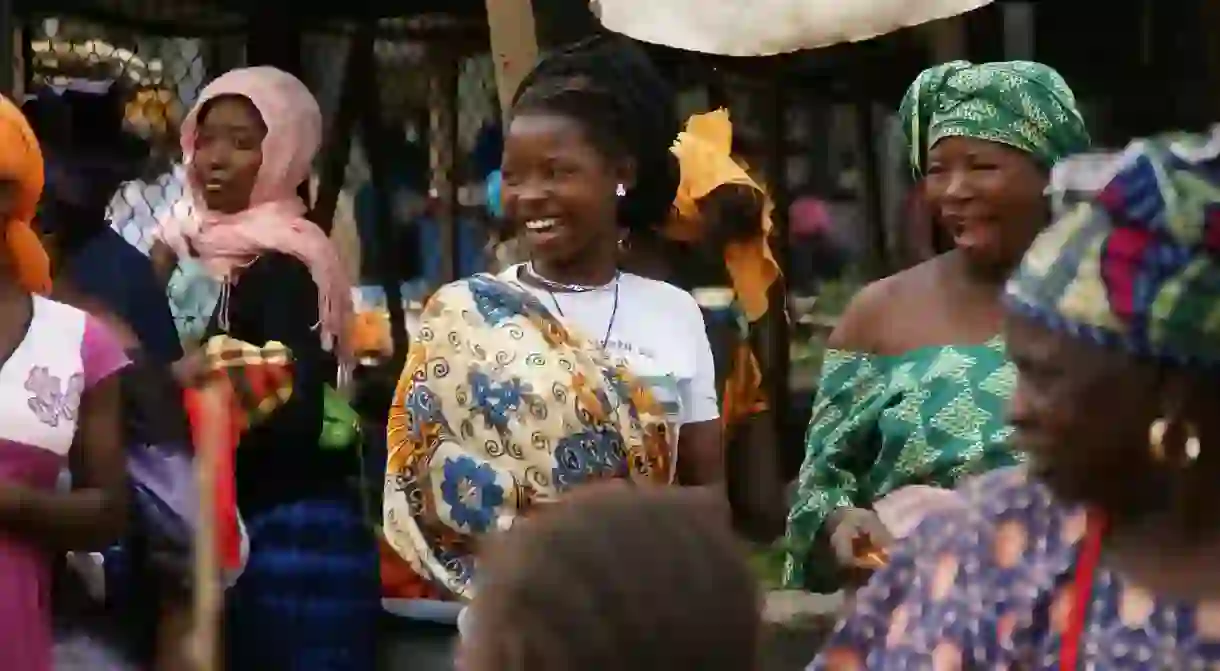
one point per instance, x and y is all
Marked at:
(1103, 553)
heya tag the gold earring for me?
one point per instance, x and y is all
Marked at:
(1156, 438)
(1157, 431)
(1193, 445)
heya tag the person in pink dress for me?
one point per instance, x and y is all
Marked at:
(59, 412)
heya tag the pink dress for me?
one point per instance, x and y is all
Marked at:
(64, 353)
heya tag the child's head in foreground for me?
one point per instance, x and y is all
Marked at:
(616, 577)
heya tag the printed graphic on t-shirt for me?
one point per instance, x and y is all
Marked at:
(642, 362)
(625, 316)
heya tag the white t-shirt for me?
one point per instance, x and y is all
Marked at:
(657, 332)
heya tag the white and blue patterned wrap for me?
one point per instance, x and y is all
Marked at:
(500, 408)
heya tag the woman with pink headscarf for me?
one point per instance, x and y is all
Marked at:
(309, 596)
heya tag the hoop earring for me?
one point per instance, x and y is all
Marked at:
(1158, 430)
(1194, 446)
(1156, 438)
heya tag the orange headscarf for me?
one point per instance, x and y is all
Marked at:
(703, 152)
(21, 162)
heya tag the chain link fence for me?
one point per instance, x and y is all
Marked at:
(157, 80)
(161, 77)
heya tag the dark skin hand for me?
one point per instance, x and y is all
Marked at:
(164, 261)
(94, 513)
(988, 199)
(174, 637)
(701, 454)
(175, 623)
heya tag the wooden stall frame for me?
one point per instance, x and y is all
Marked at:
(514, 45)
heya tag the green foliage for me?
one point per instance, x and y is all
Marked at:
(812, 325)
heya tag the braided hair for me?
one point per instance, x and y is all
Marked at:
(616, 578)
(609, 85)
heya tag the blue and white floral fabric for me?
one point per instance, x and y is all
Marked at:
(501, 408)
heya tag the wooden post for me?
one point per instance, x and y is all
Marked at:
(1020, 40)
(775, 333)
(1210, 15)
(338, 148)
(442, 146)
(208, 591)
(10, 50)
(879, 261)
(514, 45)
(947, 39)
(274, 39)
(372, 137)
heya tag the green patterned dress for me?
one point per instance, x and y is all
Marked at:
(927, 417)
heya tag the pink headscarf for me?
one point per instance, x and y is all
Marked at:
(808, 216)
(275, 220)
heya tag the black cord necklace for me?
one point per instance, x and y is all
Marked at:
(580, 289)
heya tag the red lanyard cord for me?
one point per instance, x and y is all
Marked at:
(1086, 571)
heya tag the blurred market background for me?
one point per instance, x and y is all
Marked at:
(411, 96)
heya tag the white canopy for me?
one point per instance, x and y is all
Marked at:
(768, 27)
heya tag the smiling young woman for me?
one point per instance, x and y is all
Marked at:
(564, 370)
(586, 165)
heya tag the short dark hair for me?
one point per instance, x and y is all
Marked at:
(610, 86)
(618, 578)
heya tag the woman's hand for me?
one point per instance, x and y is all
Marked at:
(95, 512)
(12, 499)
(164, 261)
(859, 538)
(190, 369)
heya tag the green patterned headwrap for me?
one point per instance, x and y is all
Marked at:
(1022, 104)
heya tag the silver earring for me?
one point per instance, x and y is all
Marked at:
(620, 190)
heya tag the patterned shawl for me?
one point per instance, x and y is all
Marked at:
(501, 408)
(1021, 104)
(1136, 265)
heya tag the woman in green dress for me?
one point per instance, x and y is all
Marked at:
(915, 380)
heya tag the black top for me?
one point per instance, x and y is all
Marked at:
(279, 460)
(107, 268)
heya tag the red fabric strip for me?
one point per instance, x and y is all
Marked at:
(1086, 571)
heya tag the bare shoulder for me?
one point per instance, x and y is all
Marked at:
(858, 328)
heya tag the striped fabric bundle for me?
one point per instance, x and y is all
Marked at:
(260, 377)
(256, 381)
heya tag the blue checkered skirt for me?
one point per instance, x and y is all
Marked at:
(310, 596)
